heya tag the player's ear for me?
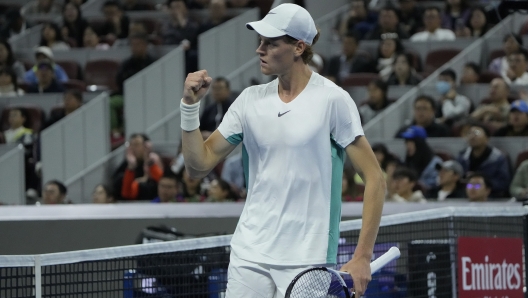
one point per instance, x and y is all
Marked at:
(300, 47)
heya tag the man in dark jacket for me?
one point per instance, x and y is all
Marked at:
(139, 60)
(424, 116)
(449, 186)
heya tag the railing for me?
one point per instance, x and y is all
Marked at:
(12, 175)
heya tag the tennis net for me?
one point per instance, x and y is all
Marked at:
(446, 252)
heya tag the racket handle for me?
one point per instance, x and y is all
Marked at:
(384, 259)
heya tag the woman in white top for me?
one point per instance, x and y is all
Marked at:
(389, 47)
(511, 43)
(51, 37)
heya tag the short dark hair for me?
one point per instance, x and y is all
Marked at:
(143, 136)
(426, 98)
(170, 175)
(474, 66)
(353, 34)
(487, 181)
(75, 93)
(382, 85)
(517, 38)
(62, 188)
(223, 80)
(486, 130)
(390, 8)
(433, 8)
(404, 172)
(10, 60)
(449, 73)
(114, 3)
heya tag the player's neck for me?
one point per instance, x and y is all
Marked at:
(293, 83)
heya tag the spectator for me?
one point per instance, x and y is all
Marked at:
(40, 7)
(411, 16)
(433, 31)
(51, 37)
(389, 47)
(191, 189)
(424, 116)
(359, 19)
(350, 61)
(220, 191)
(8, 83)
(241, 3)
(54, 193)
(116, 22)
(217, 15)
(18, 132)
(388, 163)
(457, 12)
(454, 106)
(47, 83)
(167, 189)
(14, 24)
(511, 43)
(348, 191)
(470, 74)
(133, 5)
(519, 185)
(233, 173)
(488, 160)
(420, 157)
(135, 28)
(214, 112)
(496, 112)
(517, 121)
(403, 73)
(403, 183)
(387, 23)
(478, 188)
(72, 100)
(139, 60)
(102, 194)
(138, 175)
(376, 102)
(72, 19)
(449, 186)
(516, 73)
(44, 54)
(477, 25)
(7, 60)
(91, 40)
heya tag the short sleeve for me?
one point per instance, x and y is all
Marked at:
(231, 125)
(345, 123)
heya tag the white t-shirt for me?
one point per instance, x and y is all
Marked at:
(293, 157)
(522, 80)
(439, 34)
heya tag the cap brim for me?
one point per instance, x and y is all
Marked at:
(265, 29)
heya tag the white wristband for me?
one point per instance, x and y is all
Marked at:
(190, 116)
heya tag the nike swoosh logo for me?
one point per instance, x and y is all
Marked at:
(280, 115)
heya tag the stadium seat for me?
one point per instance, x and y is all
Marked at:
(75, 84)
(101, 73)
(359, 79)
(496, 54)
(71, 68)
(487, 76)
(36, 117)
(520, 158)
(437, 58)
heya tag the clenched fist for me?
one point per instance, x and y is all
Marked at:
(196, 86)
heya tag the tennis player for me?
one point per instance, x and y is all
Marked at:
(296, 132)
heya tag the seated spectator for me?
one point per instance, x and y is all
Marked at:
(477, 25)
(72, 100)
(54, 192)
(134, 5)
(496, 112)
(449, 185)
(457, 11)
(403, 183)
(40, 7)
(135, 28)
(116, 22)
(388, 163)
(217, 15)
(8, 83)
(403, 73)
(348, 190)
(486, 159)
(219, 191)
(45, 54)
(241, 3)
(233, 173)
(102, 194)
(138, 175)
(191, 190)
(516, 73)
(470, 74)
(51, 37)
(167, 189)
(517, 121)
(214, 113)
(91, 40)
(410, 16)
(74, 23)
(47, 83)
(350, 61)
(18, 132)
(376, 102)
(424, 116)
(7, 60)
(433, 31)
(519, 185)
(14, 24)
(478, 188)
(389, 47)
(454, 106)
(139, 60)
(358, 19)
(388, 22)
(420, 157)
(511, 43)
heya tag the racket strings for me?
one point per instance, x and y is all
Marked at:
(317, 284)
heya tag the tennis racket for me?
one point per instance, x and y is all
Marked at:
(321, 282)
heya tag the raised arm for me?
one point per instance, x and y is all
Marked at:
(200, 157)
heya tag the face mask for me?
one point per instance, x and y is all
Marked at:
(443, 87)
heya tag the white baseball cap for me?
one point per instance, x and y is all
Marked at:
(45, 51)
(286, 19)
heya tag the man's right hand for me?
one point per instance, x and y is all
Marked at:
(196, 86)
